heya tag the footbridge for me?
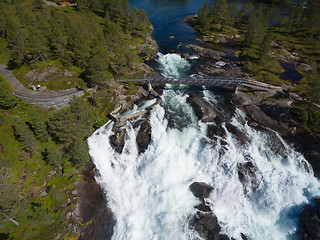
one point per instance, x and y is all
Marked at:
(222, 82)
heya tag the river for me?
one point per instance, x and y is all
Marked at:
(149, 192)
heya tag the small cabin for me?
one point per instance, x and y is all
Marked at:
(68, 3)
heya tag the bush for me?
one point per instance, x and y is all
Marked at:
(7, 100)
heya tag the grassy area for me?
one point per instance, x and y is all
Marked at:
(51, 74)
(37, 190)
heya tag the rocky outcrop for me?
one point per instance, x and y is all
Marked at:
(117, 140)
(206, 224)
(144, 136)
(204, 221)
(310, 223)
(206, 53)
(200, 190)
(256, 115)
(203, 110)
(92, 206)
(249, 175)
(148, 49)
(241, 136)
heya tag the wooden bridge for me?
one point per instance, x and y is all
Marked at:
(222, 82)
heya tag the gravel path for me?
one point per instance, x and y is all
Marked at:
(57, 99)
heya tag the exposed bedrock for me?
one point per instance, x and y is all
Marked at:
(203, 110)
(310, 223)
(93, 206)
(206, 53)
(205, 222)
(118, 139)
(241, 136)
(201, 190)
(249, 175)
(144, 135)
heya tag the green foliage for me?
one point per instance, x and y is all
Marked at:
(313, 80)
(7, 100)
(78, 153)
(53, 156)
(39, 125)
(299, 115)
(72, 123)
(314, 120)
(3, 119)
(8, 190)
(94, 37)
(25, 135)
(95, 100)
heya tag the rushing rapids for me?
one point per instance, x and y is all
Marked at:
(149, 192)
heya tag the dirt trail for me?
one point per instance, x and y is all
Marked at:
(57, 99)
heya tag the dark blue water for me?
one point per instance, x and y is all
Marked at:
(166, 17)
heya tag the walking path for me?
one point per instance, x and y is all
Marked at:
(48, 3)
(57, 99)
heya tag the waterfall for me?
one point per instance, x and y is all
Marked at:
(149, 192)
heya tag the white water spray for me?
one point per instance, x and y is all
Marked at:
(172, 65)
(149, 193)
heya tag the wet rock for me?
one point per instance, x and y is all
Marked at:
(278, 110)
(203, 207)
(203, 110)
(206, 224)
(144, 136)
(205, 52)
(200, 189)
(222, 237)
(241, 136)
(244, 237)
(118, 139)
(249, 175)
(310, 223)
(93, 206)
(255, 114)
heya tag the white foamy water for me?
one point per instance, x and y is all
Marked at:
(172, 65)
(149, 193)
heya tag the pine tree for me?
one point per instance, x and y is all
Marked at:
(78, 153)
(53, 156)
(203, 17)
(313, 90)
(265, 47)
(221, 14)
(25, 135)
(7, 100)
(39, 126)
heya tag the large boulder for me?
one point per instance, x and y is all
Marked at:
(117, 140)
(249, 175)
(200, 190)
(206, 224)
(203, 110)
(144, 136)
(258, 116)
(241, 136)
(310, 223)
